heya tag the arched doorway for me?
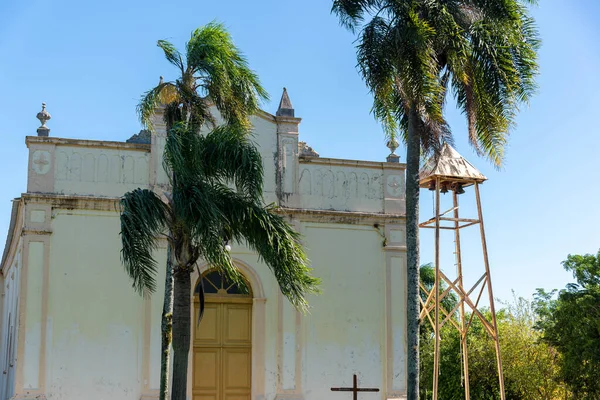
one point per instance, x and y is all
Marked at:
(222, 343)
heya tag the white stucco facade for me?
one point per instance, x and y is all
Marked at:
(73, 328)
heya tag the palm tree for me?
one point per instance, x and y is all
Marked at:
(202, 212)
(410, 53)
(212, 68)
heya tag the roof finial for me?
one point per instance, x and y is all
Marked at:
(392, 144)
(285, 106)
(43, 116)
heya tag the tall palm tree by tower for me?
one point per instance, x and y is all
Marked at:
(410, 54)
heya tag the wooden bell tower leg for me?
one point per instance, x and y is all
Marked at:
(436, 288)
(490, 293)
(463, 322)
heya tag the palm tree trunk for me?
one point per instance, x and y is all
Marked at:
(181, 332)
(166, 327)
(413, 155)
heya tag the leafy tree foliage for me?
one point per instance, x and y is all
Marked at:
(571, 323)
(531, 369)
(427, 277)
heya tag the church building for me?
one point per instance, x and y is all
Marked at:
(72, 327)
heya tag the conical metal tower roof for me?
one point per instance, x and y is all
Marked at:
(449, 165)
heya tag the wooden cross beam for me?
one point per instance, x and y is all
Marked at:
(354, 389)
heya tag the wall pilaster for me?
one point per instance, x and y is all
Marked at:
(30, 380)
(287, 160)
(395, 300)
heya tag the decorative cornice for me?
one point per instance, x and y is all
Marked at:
(401, 249)
(111, 204)
(340, 217)
(29, 140)
(26, 232)
(70, 202)
(293, 120)
(29, 395)
(351, 163)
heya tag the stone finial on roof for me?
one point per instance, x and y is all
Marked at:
(393, 145)
(449, 165)
(304, 150)
(43, 116)
(285, 106)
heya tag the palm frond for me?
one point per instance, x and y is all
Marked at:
(227, 155)
(172, 54)
(486, 49)
(182, 155)
(273, 239)
(463, 93)
(500, 74)
(398, 66)
(212, 247)
(198, 211)
(163, 93)
(279, 246)
(352, 12)
(207, 211)
(212, 213)
(202, 223)
(223, 73)
(378, 71)
(144, 216)
(212, 70)
(200, 113)
(173, 114)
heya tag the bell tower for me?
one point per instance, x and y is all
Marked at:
(450, 172)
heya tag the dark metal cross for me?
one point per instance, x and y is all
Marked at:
(354, 389)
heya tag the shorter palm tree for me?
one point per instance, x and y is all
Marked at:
(216, 197)
(211, 69)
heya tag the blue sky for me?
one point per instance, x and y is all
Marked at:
(90, 61)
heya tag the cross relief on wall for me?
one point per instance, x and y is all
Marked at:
(394, 185)
(41, 162)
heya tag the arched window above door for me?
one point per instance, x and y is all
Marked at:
(217, 284)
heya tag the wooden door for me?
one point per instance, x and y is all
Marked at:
(222, 367)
